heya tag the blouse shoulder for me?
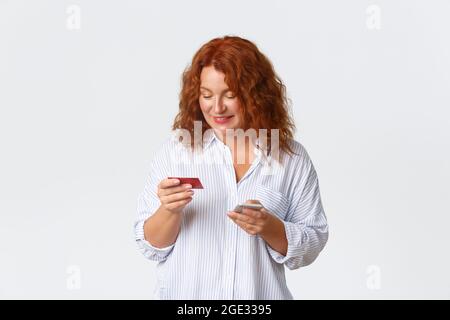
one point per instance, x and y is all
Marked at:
(299, 152)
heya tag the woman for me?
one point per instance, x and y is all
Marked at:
(205, 249)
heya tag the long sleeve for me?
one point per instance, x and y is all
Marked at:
(305, 224)
(147, 203)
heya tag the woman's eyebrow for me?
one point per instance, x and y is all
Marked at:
(204, 88)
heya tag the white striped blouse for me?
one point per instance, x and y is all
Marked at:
(213, 258)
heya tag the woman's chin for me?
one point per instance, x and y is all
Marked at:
(223, 128)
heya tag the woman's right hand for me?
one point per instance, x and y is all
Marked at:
(173, 196)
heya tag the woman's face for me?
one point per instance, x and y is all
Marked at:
(219, 105)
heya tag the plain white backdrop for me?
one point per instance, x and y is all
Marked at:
(89, 89)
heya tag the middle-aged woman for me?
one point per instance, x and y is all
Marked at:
(232, 98)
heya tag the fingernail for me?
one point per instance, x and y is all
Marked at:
(188, 186)
(176, 181)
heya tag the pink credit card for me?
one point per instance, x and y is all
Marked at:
(194, 182)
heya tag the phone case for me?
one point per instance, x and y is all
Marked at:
(239, 207)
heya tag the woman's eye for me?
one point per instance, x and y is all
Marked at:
(207, 97)
(230, 97)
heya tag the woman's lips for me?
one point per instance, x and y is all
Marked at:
(222, 120)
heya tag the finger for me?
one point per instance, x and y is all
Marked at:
(167, 183)
(172, 190)
(242, 217)
(257, 214)
(250, 229)
(178, 204)
(265, 212)
(177, 196)
(232, 215)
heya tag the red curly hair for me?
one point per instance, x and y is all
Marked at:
(251, 76)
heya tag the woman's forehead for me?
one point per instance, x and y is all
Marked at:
(212, 80)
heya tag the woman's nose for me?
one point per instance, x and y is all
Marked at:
(219, 107)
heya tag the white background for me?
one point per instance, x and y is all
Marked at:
(83, 110)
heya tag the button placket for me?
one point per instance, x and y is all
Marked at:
(231, 231)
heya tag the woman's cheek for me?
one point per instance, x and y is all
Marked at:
(202, 105)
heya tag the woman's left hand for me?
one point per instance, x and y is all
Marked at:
(262, 223)
(252, 221)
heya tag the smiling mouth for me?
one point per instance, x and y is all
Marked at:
(222, 120)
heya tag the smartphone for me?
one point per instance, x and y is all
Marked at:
(254, 206)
